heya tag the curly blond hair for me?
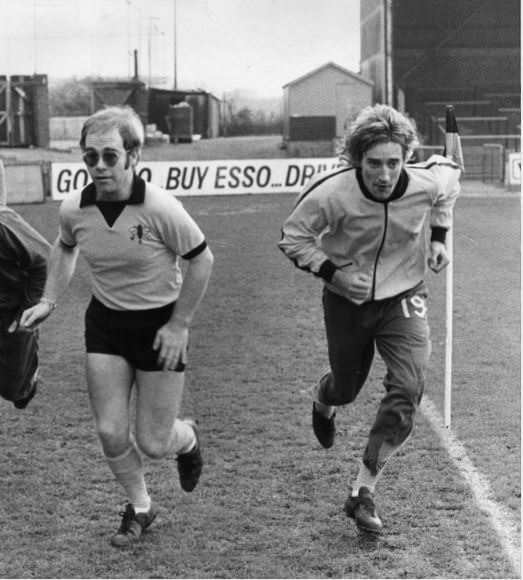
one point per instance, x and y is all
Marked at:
(378, 124)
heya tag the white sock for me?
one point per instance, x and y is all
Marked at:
(364, 479)
(184, 437)
(142, 509)
(127, 468)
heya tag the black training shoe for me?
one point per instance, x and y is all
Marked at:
(132, 526)
(363, 511)
(324, 428)
(190, 464)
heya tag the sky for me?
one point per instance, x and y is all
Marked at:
(221, 45)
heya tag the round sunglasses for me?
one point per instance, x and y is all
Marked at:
(110, 158)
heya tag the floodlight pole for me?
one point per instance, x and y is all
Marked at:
(175, 48)
(8, 119)
(149, 50)
(389, 81)
(150, 46)
(128, 23)
(35, 47)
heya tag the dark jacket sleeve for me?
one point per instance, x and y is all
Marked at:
(23, 265)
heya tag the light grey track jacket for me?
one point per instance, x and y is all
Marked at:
(337, 223)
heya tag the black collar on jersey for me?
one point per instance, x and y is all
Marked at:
(397, 192)
(137, 194)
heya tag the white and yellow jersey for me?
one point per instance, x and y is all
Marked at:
(132, 248)
(337, 223)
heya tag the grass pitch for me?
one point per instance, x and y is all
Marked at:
(269, 504)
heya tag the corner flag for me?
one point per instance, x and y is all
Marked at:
(452, 151)
(453, 148)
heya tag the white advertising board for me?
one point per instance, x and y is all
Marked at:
(207, 177)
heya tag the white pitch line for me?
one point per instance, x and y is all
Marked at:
(501, 519)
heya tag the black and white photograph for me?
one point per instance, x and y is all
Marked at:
(260, 289)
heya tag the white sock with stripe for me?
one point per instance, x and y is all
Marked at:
(127, 468)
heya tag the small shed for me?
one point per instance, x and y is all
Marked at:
(317, 105)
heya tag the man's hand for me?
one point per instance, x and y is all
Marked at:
(172, 338)
(438, 259)
(33, 316)
(171, 343)
(13, 326)
(356, 286)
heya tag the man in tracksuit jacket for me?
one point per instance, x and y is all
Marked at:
(23, 269)
(361, 229)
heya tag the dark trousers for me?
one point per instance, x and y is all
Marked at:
(18, 361)
(397, 327)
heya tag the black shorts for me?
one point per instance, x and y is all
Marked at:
(126, 333)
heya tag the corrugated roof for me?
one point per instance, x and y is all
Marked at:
(331, 64)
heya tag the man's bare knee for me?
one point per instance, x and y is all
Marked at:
(114, 440)
(154, 447)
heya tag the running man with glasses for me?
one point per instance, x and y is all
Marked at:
(132, 235)
(361, 229)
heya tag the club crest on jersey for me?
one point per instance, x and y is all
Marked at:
(140, 233)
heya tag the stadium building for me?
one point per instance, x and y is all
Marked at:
(422, 55)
